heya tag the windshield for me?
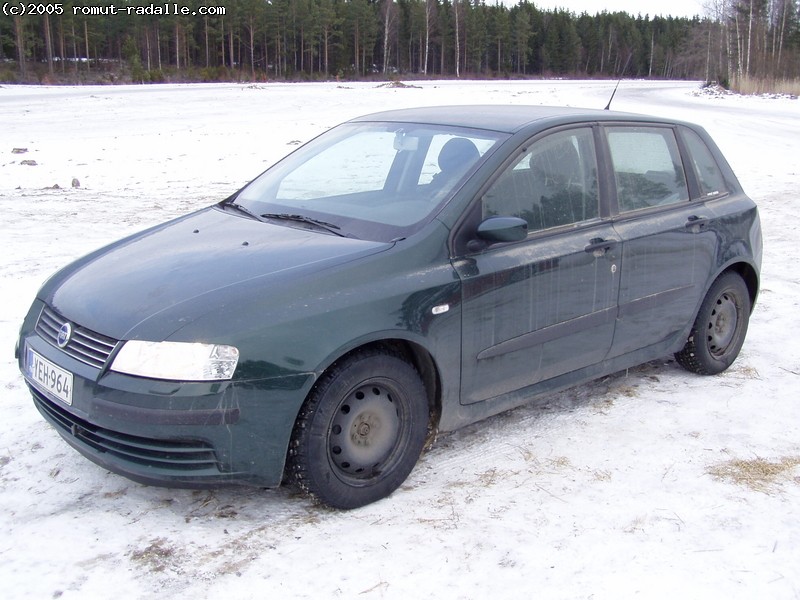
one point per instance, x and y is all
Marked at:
(377, 181)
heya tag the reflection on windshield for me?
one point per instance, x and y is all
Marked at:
(381, 179)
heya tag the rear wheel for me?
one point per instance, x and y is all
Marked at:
(361, 430)
(720, 328)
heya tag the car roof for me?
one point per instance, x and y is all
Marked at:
(503, 118)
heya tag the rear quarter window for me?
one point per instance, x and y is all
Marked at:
(709, 176)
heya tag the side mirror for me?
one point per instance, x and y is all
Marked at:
(503, 229)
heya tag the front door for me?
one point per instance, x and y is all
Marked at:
(544, 306)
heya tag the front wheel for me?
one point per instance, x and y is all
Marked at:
(361, 430)
(720, 328)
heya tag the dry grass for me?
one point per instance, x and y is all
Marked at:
(758, 473)
(752, 85)
(157, 556)
(601, 475)
(559, 463)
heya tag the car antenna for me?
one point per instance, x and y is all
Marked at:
(608, 106)
(627, 62)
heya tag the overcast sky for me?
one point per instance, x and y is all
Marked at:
(676, 8)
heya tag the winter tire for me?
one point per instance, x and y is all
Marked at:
(360, 431)
(720, 328)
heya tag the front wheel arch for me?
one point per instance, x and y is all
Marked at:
(359, 394)
(418, 355)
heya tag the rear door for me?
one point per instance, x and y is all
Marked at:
(668, 243)
(546, 305)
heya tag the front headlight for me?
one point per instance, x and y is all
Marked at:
(179, 361)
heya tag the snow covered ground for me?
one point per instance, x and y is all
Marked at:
(652, 483)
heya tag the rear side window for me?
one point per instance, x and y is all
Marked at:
(647, 167)
(705, 167)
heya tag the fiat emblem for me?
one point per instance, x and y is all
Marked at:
(64, 335)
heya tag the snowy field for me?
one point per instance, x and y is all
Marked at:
(652, 483)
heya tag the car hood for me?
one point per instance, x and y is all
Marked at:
(174, 273)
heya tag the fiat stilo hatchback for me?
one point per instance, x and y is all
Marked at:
(405, 273)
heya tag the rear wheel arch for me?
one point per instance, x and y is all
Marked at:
(720, 327)
(750, 277)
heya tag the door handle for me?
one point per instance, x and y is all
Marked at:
(599, 246)
(696, 224)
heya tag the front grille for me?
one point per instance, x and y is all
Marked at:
(180, 455)
(85, 345)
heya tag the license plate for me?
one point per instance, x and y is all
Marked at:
(49, 377)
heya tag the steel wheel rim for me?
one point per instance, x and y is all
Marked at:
(722, 324)
(365, 431)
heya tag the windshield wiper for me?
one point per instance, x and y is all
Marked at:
(329, 227)
(242, 209)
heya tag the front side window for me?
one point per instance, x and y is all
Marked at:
(371, 180)
(554, 183)
(647, 167)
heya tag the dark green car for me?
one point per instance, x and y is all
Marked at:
(405, 273)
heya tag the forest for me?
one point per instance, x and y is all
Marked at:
(734, 43)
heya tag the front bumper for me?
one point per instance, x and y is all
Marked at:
(152, 461)
(172, 434)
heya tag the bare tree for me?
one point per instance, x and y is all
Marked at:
(430, 13)
(784, 13)
(749, 39)
(388, 20)
(86, 42)
(456, 4)
(19, 32)
(48, 43)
